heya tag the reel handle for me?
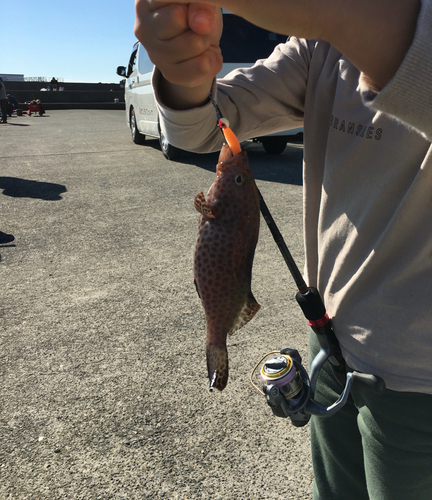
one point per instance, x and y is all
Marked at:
(374, 383)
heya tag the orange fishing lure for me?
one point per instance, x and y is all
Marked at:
(230, 137)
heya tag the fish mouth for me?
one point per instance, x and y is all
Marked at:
(225, 153)
(227, 160)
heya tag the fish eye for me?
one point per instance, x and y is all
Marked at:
(240, 180)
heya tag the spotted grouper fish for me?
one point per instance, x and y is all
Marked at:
(227, 237)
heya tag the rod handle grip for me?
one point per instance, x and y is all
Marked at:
(311, 304)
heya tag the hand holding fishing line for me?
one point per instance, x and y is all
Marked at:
(282, 16)
(182, 41)
(354, 28)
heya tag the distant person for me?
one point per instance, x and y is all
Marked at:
(53, 83)
(12, 104)
(3, 101)
(41, 108)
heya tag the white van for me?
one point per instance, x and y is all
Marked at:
(242, 44)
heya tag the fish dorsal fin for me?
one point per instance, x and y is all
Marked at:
(202, 206)
(250, 308)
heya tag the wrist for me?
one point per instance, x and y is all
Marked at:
(179, 97)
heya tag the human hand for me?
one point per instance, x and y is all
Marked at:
(374, 36)
(181, 40)
(304, 19)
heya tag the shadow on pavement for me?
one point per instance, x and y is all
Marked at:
(285, 168)
(23, 188)
(6, 238)
(19, 124)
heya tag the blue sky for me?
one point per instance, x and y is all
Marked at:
(78, 41)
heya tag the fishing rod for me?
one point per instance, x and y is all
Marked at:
(310, 301)
(288, 388)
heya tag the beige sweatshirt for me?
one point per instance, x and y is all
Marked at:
(367, 189)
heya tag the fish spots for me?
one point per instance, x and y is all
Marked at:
(223, 259)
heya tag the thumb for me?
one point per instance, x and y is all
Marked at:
(201, 17)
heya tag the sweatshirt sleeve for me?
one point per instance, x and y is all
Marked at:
(408, 96)
(191, 129)
(267, 98)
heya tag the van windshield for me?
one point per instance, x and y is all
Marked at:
(243, 42)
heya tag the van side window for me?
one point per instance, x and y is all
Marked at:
(144, 63)
(131, 65)
(243, 42)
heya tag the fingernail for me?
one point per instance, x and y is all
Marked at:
(202, 19)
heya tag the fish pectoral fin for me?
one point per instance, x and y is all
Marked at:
(202, 206)
(250, 308)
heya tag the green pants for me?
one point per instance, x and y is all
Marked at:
(377, 447)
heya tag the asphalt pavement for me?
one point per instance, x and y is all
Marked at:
(103, 388)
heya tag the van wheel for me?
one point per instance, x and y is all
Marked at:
(274, 145)
(136, 136)
(170, 152)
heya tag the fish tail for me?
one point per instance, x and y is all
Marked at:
(217, 366)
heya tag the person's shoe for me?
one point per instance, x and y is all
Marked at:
(6, 238)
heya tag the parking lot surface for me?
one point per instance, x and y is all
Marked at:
(103, 384)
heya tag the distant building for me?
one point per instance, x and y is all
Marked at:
(12, 78)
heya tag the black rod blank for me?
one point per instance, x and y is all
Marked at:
(286, 254)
